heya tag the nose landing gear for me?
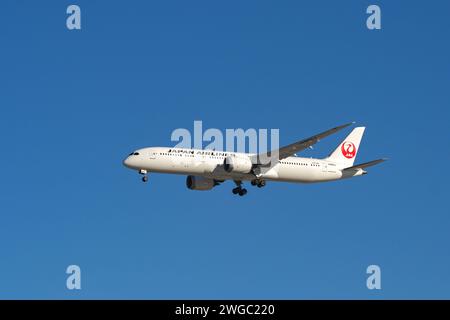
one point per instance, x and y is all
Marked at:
(144, 173)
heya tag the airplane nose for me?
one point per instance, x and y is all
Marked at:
(126, 162)
(133, 161)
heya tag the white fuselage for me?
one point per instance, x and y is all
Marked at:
(209, 164)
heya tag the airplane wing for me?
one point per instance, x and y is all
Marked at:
(295, 147)
(366, 164)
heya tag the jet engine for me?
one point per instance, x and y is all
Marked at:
(199, 183)
(237, 164)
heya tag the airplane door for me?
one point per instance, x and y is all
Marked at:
(152, 155)
(203, 164)
(186, 162)
(324, 167)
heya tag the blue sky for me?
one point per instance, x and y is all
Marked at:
(75, 103)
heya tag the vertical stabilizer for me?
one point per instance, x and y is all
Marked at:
(345, 154)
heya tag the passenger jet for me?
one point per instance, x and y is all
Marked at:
(206, 169)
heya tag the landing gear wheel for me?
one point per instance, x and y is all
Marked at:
(242, 192)
(144, 175)
(253, 182)
(236, 190)
(261, 183)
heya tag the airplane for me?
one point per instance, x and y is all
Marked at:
(205, 169)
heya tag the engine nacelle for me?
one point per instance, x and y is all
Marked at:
(237, 164)
(199, 183)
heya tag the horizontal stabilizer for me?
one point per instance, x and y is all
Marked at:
(366, 164)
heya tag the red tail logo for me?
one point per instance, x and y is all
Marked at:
(348, 149)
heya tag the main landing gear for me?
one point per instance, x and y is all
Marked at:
(242, 191)
(258, 183)
(239, 190)
(144, 174)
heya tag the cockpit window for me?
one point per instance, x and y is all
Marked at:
(134, 154)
